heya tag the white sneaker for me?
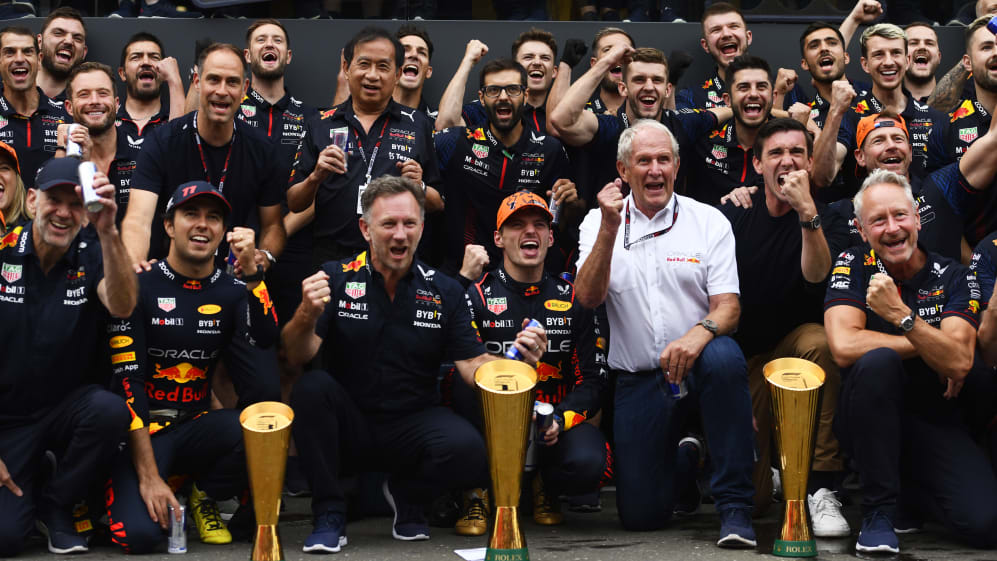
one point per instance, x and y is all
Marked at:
(825, 512)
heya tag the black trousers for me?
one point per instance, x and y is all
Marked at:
(208, 447)
(84, 431)
(907, 439)
(426, 452)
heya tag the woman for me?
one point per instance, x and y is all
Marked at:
(13, 195)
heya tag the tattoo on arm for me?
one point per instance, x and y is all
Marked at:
(948, 90)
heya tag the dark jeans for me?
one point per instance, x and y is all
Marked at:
(646, 435)
(425, 452)
(903, 435)
(208, 447)
(84, 431)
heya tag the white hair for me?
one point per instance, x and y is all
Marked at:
(625, 147)
(878, 177)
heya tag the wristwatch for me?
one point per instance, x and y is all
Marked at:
(270, 257)
(907, 323)
(812, 224)
(710, 325)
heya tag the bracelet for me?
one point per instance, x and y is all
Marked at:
(257, 276)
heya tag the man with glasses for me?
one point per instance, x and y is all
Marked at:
(483, 165)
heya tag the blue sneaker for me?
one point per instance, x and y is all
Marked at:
(57, 526)
(735, 528)
(410, 520)
(328, 534)
(877, 535)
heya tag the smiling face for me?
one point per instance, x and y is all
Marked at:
(538, 60)
(393, 232)
(92, 102)
(885, 148)
(646, 87)
(372, 74)
(59, 215)
(196, 230)
(524, 238)
(142, 80)
(64, 44)
(889, 222)
(885, 61)
(824, 56)
(612, 79)
(8, 185)
(650, 170)
(222, 85)
(18, 62)
(981, 59)
(725, 37)
(268, 53)
(750, 97)
(416, 69)
(923, 54)
(505, 111)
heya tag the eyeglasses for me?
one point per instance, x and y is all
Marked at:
(512, 90)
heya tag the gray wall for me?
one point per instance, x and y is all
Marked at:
(316, 45)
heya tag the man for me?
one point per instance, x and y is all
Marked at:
(382, 137)
(386, 321)
(885, 59)
(416, 69)
(924, 57)
(606, 98)
(725, 37)
(91, 101)
(32, 118)
(481, 166)
(901, 324)
(63, 43)
(824, 56)
(784, 245)
(144, 69)
(187, 308)
(572, 376)
(671, 294)
(645, 86)
(535, 50)
(59, 282)
(209, 144)
(720, 159)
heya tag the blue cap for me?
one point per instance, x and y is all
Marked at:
(56, 172)
(191, 189)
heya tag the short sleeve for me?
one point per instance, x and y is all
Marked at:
(846, 286)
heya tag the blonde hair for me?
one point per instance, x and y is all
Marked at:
(17, 210)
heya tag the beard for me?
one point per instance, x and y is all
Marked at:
(101, 127)
(59, 74)
(142, 95)
(264, 74)
(517, 116)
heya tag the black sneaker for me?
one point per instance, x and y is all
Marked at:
(735, 528)
(57, 525)
(410, 520)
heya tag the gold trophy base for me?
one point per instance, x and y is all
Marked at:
(795, 539)
(266, 544)
(506, 542)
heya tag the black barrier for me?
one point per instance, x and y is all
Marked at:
(316, 45)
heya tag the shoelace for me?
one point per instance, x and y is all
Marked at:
(209, 512)
(476, 510)
(825, 503)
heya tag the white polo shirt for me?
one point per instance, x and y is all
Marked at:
(660, 287)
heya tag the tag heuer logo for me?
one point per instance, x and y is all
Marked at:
(968, 135)
(248, 110)
(3, 122)
(356, 289)
(497, 305)
(719, 152)
(714, 96)
(11, 273)
(167, 304)
(480, 150)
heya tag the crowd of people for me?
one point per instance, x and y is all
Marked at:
(360, 262)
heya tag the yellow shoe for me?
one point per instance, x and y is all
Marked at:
(546, 509)
(474, 520)
(204, 510)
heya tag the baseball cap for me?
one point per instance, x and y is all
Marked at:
(877, 121)
(192, 189)
(518, 201)
(56, 172)
(8, 151)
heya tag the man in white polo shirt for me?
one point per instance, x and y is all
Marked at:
(664, 265)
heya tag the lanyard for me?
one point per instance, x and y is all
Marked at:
(204, 161)
(627, 244)
(373, 154)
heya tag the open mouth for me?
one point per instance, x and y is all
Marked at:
(220, 106)
(752, 110)
(728, 48)
(96, 114)
(654, 186)
(826, 62)
(199, 241)
(781, 180)
(888, 74)
(895, 244)
(921, 58)
(371, 88)
(530, 248)
(648, 101)
(64, 55)
(147, 75)
(398, 251)
(269, 56)
(59, 227)
(21, 73)
(536, 74)
(616, 71)
(503, 110)
(893, 160)
(410, 70)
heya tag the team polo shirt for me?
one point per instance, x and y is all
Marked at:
(479, 172)
(130, 128)
(282, 122)
(660, 286)
(475, 116)
(50, 322)
(244, 170)
(33, 136)
(719, 164)
(429, 111)
(951, 137)
(121, 169)
(385, 352)
(984, 264)
(400, 133)
(595, 103)
(710, 94)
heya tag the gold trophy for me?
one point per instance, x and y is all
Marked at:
(507, 405)
(795, 385)
(266, 431)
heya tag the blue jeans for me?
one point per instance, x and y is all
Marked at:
(647, 426)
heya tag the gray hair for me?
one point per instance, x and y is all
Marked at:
(625, 147)
(884, 30)
(388, 185)
(878, 177)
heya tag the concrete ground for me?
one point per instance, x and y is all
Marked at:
(583, 537)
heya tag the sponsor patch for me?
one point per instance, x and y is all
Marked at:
(119, 341)
(209, 309)
(167, 304)
(122, 357)
(497, 305)
(557, 305)
(356, 289)
(12, 273)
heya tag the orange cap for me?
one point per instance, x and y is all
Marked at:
(7, 150)
(875, 121)
(518, 201)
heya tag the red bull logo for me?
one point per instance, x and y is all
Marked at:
(964, 110)
(11, 238)
(192, 285)
(356, 264)
(706, 85)
(476, 134)
(547, 372)
(263, 295)
(180, 373)
(862, 107)
(974, 306)
(719, 133)
(533, 290)
(870, 259)
(329, 113)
